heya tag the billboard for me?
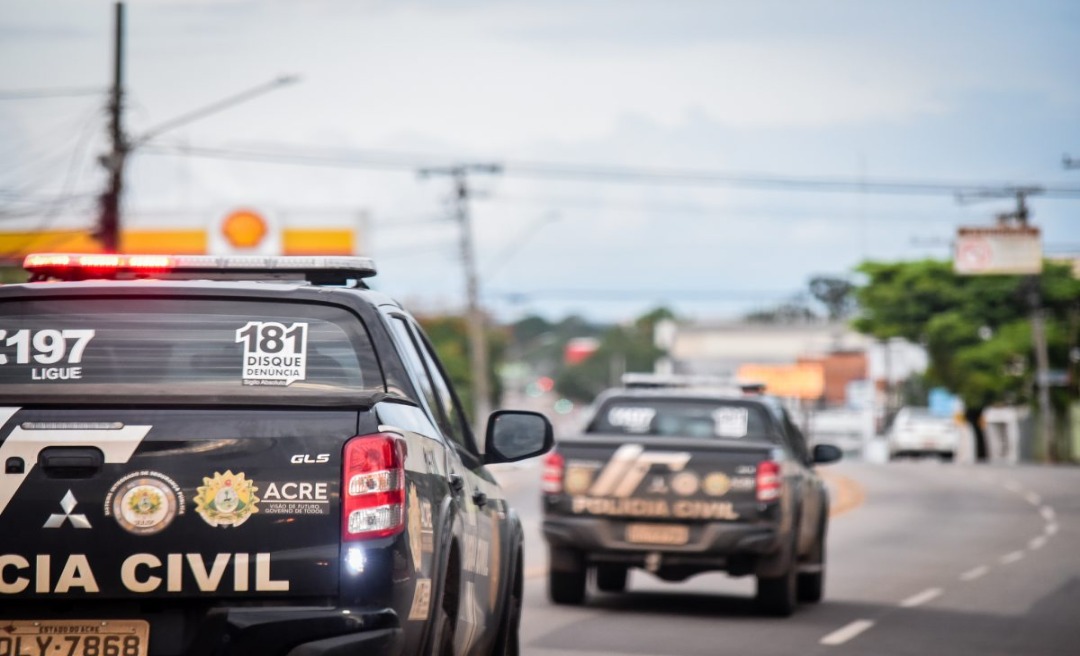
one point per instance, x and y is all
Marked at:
(227, 232)
(798, 381)
(999, 250)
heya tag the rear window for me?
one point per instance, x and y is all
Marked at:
(682, 418)
(182, 349)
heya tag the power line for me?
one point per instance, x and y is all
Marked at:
(37, 94)
(638, 294)
(391, 161)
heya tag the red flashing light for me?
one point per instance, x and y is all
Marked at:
(100, 261)
(373, 487)
(96, 262)
(37, 260)
(156, 262)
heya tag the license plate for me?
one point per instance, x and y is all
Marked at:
(74, 637)
(668, 534)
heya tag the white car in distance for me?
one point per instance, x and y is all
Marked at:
(915, 432)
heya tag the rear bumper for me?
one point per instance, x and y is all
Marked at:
(310, 632)
(276, 631)
(712, 545)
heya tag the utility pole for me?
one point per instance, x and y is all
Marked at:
(108, 231)
(1018, 220)
(474, 317)
(1038, 329)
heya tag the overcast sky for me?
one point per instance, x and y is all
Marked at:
(953, 91)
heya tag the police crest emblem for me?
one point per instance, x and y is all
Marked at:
(226, 499)
(144, 503)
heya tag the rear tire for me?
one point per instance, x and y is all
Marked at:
(442, 641)
(778, 596)
(566, 585)
(611, 578)
(811, 585)
(508, 642)
(444, 615)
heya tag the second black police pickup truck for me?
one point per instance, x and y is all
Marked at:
(242, 455)
(680, 480)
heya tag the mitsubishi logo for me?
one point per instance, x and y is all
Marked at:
(67, 504)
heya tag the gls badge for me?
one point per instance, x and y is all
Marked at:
(307, 459)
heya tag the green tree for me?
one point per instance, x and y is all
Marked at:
(976, 329)
(449, 338)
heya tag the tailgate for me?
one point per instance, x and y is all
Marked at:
(685, 480)
(210, 502)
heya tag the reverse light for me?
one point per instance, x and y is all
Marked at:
(768, 481)
(554, 466)
(373, 487)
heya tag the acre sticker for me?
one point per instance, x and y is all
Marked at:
(226, 499)
(274, 354)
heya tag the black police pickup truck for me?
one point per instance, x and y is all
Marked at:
(209, 455)
(681, 479)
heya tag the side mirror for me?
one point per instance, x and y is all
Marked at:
(514, 435)
(826, 453)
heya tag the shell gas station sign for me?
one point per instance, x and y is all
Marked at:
(237, 231)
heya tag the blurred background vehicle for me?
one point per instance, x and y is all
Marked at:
(916, 432)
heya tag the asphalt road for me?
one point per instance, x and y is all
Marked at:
(935, 559)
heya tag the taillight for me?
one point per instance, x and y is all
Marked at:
(552, 482)
(373, 487)
(768, 481)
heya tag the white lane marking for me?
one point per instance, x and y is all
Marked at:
(1037, 543)
(1011, 558)
(921, 598)
(1048, 513)
(1052, 529)
(973, 574)
(1013, 486)
(1033, 499)
(843, 634)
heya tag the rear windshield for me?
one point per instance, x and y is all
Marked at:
(682, 418)
(182, 349)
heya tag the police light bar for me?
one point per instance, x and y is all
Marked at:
(661, 381)
(76, 266)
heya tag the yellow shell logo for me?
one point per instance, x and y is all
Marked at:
(226, 499)
(244, 229)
